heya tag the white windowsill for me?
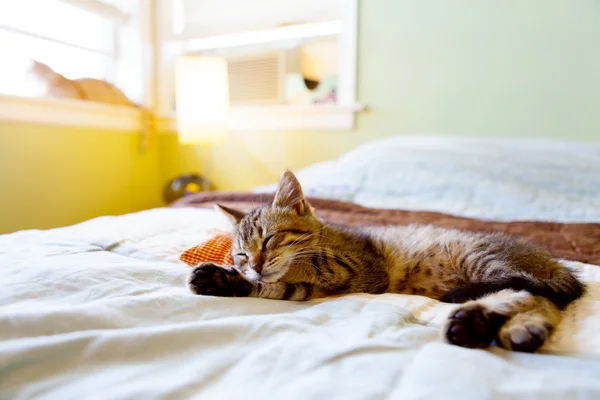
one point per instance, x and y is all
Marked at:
(82, 114)
(69, 113)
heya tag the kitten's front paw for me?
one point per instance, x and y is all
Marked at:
(471, 326)
(214, 280)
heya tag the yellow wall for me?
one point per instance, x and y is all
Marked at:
(486, 68)
(51, 176)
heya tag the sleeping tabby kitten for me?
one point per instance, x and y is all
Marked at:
(511, 291)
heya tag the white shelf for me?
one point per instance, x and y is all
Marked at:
(282, 118)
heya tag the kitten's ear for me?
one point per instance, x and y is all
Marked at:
(289, 194)
(40, 68)
(234, 216)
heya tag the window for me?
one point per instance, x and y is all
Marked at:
(77, 38)
(292, 63)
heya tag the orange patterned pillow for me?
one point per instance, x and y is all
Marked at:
(216, 249)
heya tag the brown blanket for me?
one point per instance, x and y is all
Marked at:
(579, 242)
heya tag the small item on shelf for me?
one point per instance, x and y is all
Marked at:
(297, 92)
(184, 185)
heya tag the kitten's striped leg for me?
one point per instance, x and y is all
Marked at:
(216, 280)
(517, 320)
(283, 291)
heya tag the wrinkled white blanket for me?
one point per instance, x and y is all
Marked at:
(99, 310)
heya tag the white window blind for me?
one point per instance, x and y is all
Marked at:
(77, 38)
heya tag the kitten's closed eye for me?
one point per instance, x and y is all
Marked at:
(242, 255)
(264, 246)
(283, 238)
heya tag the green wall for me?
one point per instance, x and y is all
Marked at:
(485, 67)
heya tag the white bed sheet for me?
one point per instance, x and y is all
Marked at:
(496, 179)
(99, 311)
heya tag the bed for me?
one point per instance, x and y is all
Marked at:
(100, 310)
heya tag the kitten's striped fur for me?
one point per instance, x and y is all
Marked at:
(512, 290)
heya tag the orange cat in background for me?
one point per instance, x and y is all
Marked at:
(56, 85)
(88, 89)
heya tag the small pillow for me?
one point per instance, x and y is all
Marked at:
(217, 249)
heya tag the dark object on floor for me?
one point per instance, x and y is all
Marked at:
(184, 185)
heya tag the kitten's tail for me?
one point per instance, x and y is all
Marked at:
(562, 289)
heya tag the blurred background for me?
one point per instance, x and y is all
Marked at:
(296, 82)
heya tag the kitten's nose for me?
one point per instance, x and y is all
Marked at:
(256, 263)
(257, 268)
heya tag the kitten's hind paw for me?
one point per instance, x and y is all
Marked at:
(214, 280)
(471, 326)
(524, 333)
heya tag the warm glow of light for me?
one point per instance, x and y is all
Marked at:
(202, 97)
